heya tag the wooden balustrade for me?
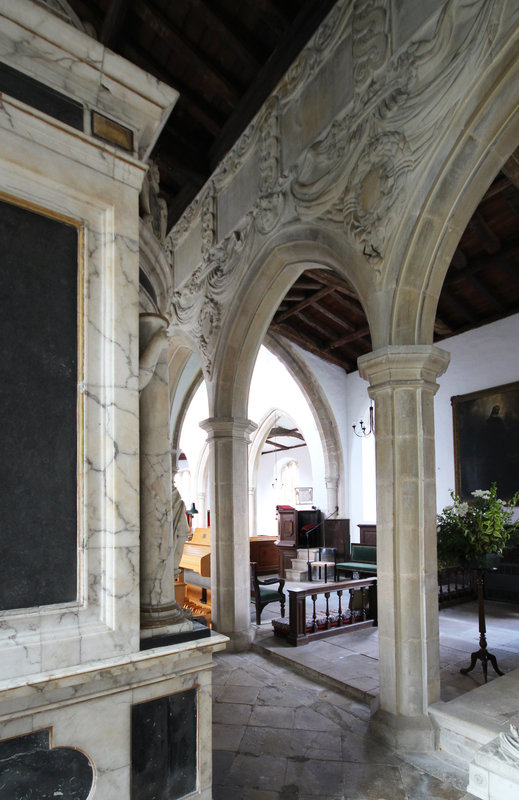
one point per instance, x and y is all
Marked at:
(356, 607)
(455, 585)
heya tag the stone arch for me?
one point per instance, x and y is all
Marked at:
(268, 278)
(319, 406)
(185, 377)
(489, 134)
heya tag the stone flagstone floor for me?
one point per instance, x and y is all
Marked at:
(280, 736)
(279, 733)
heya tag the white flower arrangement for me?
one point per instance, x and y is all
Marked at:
(468, 531)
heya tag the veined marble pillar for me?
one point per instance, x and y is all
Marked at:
(161, 535)
(230, 556)
(403, 384)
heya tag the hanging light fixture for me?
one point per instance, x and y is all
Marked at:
(364, 431)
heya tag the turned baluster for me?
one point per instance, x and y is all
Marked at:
(327, 596)
(364, 596)
(314, 613)
(350, 605)
(340, 619)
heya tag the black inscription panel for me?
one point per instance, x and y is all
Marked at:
(38, 390)
(164, 747)
(29, 769)
(40, 96)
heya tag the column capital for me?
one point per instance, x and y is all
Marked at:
(331, 481)
(403, 364)
(228, 428)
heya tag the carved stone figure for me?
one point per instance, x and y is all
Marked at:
(152, 208)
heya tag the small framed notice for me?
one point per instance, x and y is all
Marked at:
(304, 495)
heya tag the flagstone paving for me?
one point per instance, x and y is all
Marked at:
(294, 725)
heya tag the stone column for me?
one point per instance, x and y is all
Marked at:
(403, 384)
(230, 554)
(163, 524)
(202, 510)
(252, 511)
(332, 493)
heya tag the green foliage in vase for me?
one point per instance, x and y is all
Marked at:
(468, 532)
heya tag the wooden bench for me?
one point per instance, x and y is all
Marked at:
(363, 559)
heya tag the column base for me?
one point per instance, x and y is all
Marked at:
(239, 641)
(413, 734)
(164, 620)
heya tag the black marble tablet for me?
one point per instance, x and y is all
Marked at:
(30, 769)
(164, 747)
(38, 95)
(38, 409)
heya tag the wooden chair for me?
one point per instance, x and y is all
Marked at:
(327, 558)
(262, 594)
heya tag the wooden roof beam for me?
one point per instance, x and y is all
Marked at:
(308, 301)
(327, 278)
(335, 318)
(307, 344)
(351, 337)
(511, 168)
(441, 328)
(197, 107)
(489, 241)
(162, 26)
(482, 289)
(178, 170)
(113, 22)
(459, 307)
(233, 38)
(288, 48)
(509, 253)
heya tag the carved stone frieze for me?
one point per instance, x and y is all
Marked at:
(370, 39)
(269, 206)
(204, 207)
(316, 51)
(356, 173)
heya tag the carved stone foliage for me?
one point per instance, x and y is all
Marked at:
(270, 203)
(356, 173)
(198, 306)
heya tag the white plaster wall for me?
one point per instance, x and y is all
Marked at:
(484, 357)
(272, 387)
(480, 359)
(268, 496)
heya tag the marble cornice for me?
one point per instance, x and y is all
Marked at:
(31, 694)
(34, 126)
(37, 42)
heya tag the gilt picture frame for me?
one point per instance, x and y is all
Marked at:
(486, 437)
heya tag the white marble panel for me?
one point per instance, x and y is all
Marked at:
(106, 618)
(50, 50)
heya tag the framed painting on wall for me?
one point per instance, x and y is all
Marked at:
(486, 440)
